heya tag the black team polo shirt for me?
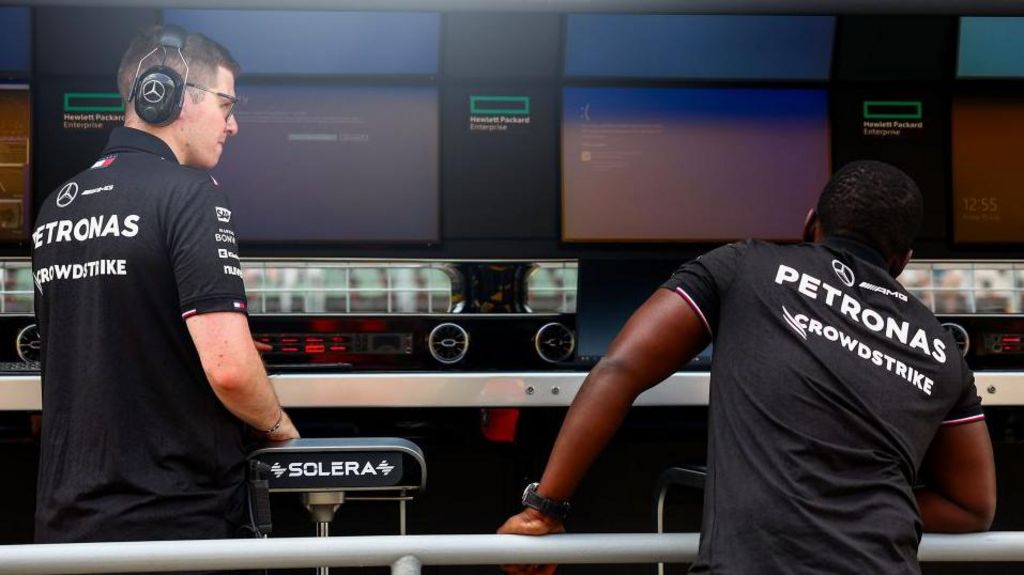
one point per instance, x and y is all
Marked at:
(135, 444)
(828, 383)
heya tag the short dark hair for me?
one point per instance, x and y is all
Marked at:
(203, 55)
(874, 202)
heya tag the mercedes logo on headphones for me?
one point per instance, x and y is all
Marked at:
(153, 91)
(67, 194)
(843, 272)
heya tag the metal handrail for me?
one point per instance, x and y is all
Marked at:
(405, 554)
(343, 552)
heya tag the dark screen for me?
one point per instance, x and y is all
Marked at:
(334, 163)
(895, 48)
(609, 292)
(699, 46)
(500, 183)
(501, 45)
(321, 42)
(500, 132)
(86, 40)
(14, 41)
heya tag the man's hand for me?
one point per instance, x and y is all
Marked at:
(659, 337)
(530, 522)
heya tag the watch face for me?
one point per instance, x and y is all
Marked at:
(529, 488)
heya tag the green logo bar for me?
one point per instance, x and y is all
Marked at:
(892, 110)
(93, 102)
(499, 105)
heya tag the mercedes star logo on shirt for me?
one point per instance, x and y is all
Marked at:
(67, 194)
(843, 272)
(153, 91)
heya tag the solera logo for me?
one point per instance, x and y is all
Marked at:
(331, 469)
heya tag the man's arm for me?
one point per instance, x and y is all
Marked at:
(663, 334)
(236, 373)
(960, 472)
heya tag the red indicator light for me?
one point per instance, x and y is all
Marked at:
(314, 339)
(372, 325)
(1010, 339)
(314, 348)
(1009, 348)
(289, 340)
(339, 348)
(265, 339)
(290, 349)
(323, 325)
(338, 338)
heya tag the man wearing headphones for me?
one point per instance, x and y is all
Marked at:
(152, 385)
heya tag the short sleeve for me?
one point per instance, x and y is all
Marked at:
(968, 405)
(704, 281)
(204, 251)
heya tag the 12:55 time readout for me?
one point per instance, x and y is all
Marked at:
(980, 209)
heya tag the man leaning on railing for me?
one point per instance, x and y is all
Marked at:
(832, 392)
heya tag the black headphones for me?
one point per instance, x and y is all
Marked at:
(159, 91)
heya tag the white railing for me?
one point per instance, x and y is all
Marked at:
(406, 554)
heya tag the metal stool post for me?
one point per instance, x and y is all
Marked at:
(686, 475)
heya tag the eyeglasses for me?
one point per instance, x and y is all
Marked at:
(233, 100)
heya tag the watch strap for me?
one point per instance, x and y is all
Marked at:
(557, 509)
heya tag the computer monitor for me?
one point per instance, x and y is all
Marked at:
(988, 134)
(15, 175)
(290, 42)
(15, 52)
(609, 291)
(990, 47)
(691, 164)
(335, 163)
(699, 46)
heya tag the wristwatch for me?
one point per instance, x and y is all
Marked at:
(557, 509)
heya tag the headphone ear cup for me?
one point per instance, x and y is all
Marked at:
(158, 95)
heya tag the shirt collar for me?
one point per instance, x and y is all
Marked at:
(124, 139)
(858, 248)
